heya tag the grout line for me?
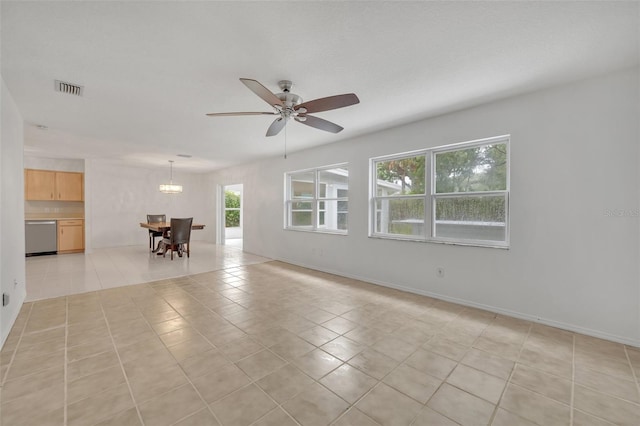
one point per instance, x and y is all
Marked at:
(15, 351)
(191, 281)
(251, 380)
(633, 371)
(66, 360)
(278, 405)
(115, 348)
(353, 407)
(115, 259)
(513, 370)
(458, 362)
(207, 406)
(420, 347)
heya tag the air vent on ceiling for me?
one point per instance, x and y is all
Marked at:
(184, 155)
(69, 88)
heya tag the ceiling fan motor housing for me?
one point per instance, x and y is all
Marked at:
(290, 100)
(285, 85)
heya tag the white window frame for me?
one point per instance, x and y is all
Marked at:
(430, 196)
(315, 201)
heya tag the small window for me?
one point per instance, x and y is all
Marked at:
(302, 189)
(456, 194)
(400, 191)
(317, 199)
(470, 199)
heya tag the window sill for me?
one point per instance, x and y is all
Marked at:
(469, 243)
(317, 231)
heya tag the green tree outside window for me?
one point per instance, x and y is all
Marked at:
(232, 217)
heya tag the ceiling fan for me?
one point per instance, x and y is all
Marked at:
(287, 105)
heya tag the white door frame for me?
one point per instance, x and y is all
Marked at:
(220, 214)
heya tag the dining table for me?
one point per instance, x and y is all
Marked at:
(164, 227)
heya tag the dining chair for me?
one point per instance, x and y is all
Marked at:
(154, 218)
(179, 237)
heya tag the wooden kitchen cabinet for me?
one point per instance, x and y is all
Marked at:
(70, 235)
(50, 185)
(39, 184)
(69, 186)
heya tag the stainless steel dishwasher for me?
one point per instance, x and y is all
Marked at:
(41, 237)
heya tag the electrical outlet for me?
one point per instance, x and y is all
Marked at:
(440, 272)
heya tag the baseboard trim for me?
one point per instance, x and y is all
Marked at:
(514, 314)
(12, 320)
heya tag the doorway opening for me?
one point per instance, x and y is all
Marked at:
(232, 215)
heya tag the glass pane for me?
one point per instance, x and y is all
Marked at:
(400, 216)
(343, 221)
(231, 218)
(231, 199)
(398, 177)
(301, 219)
(471, 218)
(302, 184)
(482, 168)
(301, 205)
(330, 215)
(332, 181)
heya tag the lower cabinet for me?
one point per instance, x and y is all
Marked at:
(70, 236)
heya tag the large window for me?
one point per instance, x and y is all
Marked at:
(456, 194)
(317, 199)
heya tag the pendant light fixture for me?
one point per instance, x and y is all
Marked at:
(170, 188)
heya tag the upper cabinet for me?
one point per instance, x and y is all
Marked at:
(69, 186)
(39, 184)
(52, 185)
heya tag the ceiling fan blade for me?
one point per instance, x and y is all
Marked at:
(276, 126)
(320, 123)
(328, 103)
(262, 91)
(225, 114)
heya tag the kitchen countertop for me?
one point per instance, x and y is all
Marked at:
(54, 218)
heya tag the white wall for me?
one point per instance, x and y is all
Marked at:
(12, 269)
(118, 198)
(61, 164)
(574, 156)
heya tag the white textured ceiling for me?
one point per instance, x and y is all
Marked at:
(152, 70)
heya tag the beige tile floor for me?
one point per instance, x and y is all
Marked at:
(62, 275)
(268, 343)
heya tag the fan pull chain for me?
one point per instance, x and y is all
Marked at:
(285, 141)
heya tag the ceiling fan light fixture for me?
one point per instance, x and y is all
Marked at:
(288, 105)
(170, 188)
